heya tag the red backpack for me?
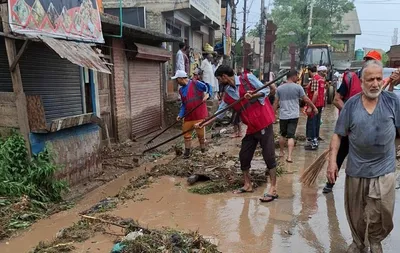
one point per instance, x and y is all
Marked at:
(353, 84)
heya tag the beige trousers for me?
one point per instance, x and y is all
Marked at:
(369, 205)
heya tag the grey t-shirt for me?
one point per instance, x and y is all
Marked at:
(371, 136)
(289, 95)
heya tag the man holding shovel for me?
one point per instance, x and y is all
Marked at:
(193, 94)
(258, 115)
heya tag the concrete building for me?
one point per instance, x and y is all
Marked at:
(345, 52)
(394, 56)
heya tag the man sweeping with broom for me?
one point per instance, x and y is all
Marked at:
(258, 115)
(369, 120)
(193, 93)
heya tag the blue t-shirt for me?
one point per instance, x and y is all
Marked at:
(372, 151)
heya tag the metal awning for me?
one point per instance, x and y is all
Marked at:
(77, 52)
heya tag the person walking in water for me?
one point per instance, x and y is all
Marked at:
(369, 120)
(287, 97)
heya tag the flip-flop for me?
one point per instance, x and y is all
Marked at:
(267, 195)
(241, 191)
(289, 161)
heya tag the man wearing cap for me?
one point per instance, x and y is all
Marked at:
(193, 93)
(258, 115)
(351, 86)
(315, 92)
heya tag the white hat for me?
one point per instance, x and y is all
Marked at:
(322, 68)
(179, 74)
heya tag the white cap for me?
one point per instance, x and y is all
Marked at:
(322, 68)
(179, 74)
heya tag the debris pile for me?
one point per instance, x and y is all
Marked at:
(134, 238)
(220, 172)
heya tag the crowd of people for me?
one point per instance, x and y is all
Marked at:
(365, 132)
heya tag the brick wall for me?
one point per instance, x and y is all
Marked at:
(77, 151)
(121, 90)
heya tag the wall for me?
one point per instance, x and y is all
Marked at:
(350, 54)
(121, 91)
(77, 151)
(105, 103)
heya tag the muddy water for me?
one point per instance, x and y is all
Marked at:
(301, 220)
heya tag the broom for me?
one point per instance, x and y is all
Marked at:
(310, 175)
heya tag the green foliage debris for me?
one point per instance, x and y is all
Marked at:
(28, 187)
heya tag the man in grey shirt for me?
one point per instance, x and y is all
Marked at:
(370, 120)
(287, 97)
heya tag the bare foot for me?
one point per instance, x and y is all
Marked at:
(289, 160)
(281, 154)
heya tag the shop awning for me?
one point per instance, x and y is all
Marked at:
(78, 53)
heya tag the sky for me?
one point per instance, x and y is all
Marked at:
(378, 19)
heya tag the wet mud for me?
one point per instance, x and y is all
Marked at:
(301, 220)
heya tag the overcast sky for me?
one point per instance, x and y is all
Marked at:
(378, 18)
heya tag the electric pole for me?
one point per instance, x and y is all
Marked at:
(244, 36)
(262, 39)
(310, 22)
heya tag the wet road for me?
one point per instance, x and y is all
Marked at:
(301, 220)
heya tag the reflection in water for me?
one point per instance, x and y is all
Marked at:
(337, 242)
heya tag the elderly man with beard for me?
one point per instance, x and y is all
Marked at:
(369, 120)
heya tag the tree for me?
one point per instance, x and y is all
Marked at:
(292, 16)
(256, 31)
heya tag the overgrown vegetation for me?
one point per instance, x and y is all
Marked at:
(28, 187)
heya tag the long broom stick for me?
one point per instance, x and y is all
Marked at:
(310, 174)
(151, 147)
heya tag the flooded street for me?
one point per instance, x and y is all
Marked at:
(301, 220)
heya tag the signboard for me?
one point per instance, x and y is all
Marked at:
(68, 19)
(210, 8)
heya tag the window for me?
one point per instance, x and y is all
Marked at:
(173, 29)
(342, 46)
(317, 56)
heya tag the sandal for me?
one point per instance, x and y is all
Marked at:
(267, 195)
(289, 161)
(241, 191)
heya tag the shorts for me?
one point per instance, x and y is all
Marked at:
(201, 132)
(288, 127)
(249, 144)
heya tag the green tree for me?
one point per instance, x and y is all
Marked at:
(256, 31)
(292, 16)
(385, 59)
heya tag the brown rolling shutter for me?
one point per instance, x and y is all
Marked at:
(145, 90)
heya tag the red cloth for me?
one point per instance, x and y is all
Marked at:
(320, 89)
(252, 113)
(194, 98)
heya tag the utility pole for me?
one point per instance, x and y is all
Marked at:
(310, 22)
(244, 36)
(262, 39)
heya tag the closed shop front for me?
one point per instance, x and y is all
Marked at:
(44, 73)
(145, 96)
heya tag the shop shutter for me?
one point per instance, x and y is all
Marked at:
(5, 77)
(145, 91)
(197, 41)
(56, 80)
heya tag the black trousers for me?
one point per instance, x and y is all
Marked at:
(342, 153)
(249, 144)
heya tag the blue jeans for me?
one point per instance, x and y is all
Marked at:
(311, 127)
(319, 120)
